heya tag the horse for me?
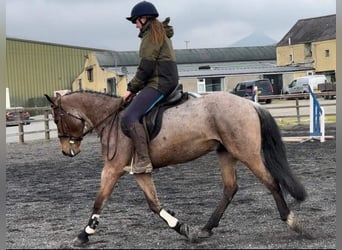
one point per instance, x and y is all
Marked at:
(238, 129)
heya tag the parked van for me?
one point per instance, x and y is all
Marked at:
(300, 85)
(246, 88)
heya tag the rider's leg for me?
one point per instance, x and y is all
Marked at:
(139, 106)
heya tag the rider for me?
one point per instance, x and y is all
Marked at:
(156, 77)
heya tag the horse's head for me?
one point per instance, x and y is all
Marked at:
(70, 126)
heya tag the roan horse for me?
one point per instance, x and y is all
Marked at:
(236, 128)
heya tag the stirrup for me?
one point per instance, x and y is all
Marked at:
(132, 170)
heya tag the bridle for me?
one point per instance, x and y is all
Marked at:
(65, 133)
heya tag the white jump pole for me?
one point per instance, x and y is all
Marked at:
(311, 113)
(322, 123)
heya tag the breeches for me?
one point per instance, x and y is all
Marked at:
(142, 103)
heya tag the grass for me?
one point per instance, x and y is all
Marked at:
(292, 121)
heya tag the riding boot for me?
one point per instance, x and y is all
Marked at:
(143, 163)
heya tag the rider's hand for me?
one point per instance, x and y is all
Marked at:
(128, 96)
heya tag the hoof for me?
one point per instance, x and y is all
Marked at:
(74, 244)
(78, 242)
(82, 238)
(204, 233)
(194, 235)
(293, 223)
(297, 226)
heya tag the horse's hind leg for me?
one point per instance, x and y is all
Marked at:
(227, 166)
(258, 168)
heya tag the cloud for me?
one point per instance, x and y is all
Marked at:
(205, 23)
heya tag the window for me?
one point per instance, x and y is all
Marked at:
(90, 74)
(250, 87)
(293, 83)
(209, 84)
(307, 50)
(263, 84)
(240, 86)
(213, 84)
(327, 53)
(291, 58)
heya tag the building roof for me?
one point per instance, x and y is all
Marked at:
(187, 56)
(311, 30)
(222, 68)
(236, 68)
(227, 54)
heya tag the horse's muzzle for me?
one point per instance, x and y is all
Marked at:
(70, 147)
(70, 154)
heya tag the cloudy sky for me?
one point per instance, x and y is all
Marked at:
(197, 23)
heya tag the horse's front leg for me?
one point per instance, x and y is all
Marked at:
(109, 178)
(146, 183)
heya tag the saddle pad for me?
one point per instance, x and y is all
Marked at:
(153, 119)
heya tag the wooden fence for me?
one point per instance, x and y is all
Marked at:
(46, 111)
(297, 106)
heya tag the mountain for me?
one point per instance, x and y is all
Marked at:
(254, 39)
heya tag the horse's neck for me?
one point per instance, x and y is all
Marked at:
(98, 108)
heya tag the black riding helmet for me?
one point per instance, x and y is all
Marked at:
(143, 8)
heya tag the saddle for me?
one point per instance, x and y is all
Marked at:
(152, 121)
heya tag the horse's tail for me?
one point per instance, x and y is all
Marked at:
(275, 157)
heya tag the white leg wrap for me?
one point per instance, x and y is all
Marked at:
(90, 230)
(290, 219)
(171, 221)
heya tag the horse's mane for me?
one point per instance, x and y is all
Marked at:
(92, 92)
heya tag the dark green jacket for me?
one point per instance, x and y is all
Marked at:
(157, 67)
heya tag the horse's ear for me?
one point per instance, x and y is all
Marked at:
(50, 99)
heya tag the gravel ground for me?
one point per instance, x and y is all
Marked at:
(50, 196)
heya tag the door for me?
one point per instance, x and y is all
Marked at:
(277, 83)
(111, 86)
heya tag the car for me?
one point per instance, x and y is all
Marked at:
(246, 88)
(301, 85)
(12, 116)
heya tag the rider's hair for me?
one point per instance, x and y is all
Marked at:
(157, 31)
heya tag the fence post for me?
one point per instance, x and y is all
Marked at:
(46, 125)
(21, 127)
(297, 111)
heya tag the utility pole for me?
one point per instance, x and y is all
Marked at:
(186, 44)
(8, 103)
